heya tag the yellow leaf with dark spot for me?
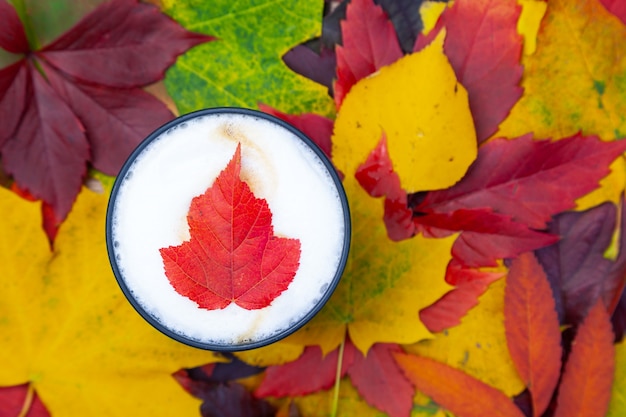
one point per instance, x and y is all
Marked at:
(418, 103)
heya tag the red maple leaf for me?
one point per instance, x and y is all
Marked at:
(233, 255)
(78, 100)
(376, 376)
(484, 50)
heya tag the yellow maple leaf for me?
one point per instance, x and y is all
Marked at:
(66, 327)
(384, 285)
(418, 103)
(478, 345)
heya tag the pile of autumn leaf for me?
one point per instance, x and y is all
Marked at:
(479, 146)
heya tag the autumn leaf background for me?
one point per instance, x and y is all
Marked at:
(480, 145)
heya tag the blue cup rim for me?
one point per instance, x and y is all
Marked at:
(245, 345)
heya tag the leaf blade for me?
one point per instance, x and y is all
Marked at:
(455, 390)
(586, 385)
(532, 329)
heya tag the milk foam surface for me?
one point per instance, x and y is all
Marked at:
(153, 201)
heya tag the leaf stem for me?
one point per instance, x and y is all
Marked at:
(333, 410)
(21, 9)
(28, 401)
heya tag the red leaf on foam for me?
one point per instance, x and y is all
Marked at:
(233, 255)
(88, 107)
(369, 43)
(484, 49)
(454, 390)
(585, 388)
(532, 329)
(317, 128)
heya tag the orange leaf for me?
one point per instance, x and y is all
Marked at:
(460, 393)
(586, 385)
(532, 329)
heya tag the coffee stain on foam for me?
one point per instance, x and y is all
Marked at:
(251, 334)
(258, 173)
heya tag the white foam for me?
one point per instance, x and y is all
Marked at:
(152, 204)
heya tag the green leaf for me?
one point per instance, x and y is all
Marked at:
(244, 67)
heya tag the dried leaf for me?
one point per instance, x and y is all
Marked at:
(585, 388)
(532, 329)
(455, 390)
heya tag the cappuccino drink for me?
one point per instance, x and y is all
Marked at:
(151, 200)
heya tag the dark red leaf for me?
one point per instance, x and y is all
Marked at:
(114, 119)
(47, 155)
(576, 266)
(311, 372)
(369, 43)
(486, 236)
(21, 400)
(122, 43)
(529, 180)
(12, 34)
(233, 255)
(585, 388)
(377, 177)
(88, 81)
(317, 66)
(532, 329)
(454, 390)
(317, 128)
(381, 382)
(406, 19)
(617, 7)
(13, 98)
(484, 49)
